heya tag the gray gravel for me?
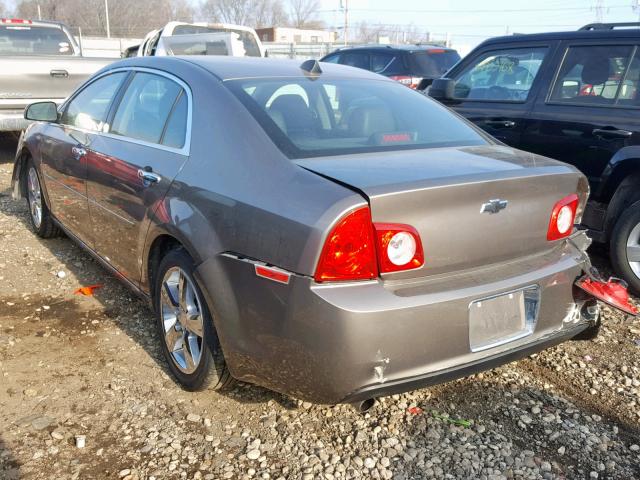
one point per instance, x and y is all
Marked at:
(72, 365)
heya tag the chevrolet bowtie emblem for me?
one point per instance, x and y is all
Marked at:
(493, 206)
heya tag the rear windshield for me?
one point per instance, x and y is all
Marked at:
(248, 38)
(308, 117)
(432, 63)
(32, 40)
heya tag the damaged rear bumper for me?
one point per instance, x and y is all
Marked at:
(333, 343)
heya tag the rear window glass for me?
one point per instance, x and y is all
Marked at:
(432, 63)
(31, 40)
(307, 118)
(248, 38)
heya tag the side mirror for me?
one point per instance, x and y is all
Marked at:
(442, 89)
(42, 112)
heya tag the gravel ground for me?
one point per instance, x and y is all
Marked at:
(76, 369)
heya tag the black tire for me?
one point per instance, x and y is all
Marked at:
(45, 226)
(211, 370)
(628, 221)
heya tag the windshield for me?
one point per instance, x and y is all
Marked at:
(313, 117)
(248, 38)
(432, 63)
(33, 40)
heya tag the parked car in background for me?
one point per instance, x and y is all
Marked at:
(179, 38)
(572, 96)
(412, 65)
(316, 229)
(38, 61)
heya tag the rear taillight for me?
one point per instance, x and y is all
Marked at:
(349, 250)
(14, 21)
(411, 82)
(398, 246)
(563, 217)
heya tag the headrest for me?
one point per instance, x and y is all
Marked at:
(595, 71)
(365, 121)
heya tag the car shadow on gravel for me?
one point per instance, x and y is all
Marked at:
(9, 466)
(131, 314)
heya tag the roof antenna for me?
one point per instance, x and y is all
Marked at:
(311, 66)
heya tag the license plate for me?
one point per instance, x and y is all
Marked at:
(503, 318)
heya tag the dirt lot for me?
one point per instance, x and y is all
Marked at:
(73, 365)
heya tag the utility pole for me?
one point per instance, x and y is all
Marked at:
(345, 5)
(106, 14)
(39, 13)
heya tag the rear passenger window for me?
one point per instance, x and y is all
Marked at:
(505, 75)
(387, 64)
(596, 75)
(176, 129)
(356, 59)
(145, 107)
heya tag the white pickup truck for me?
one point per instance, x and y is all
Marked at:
(180, 38)
(38, 61)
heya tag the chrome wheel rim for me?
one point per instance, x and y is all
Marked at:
(182, 320)
(633, 250)
(35, 197)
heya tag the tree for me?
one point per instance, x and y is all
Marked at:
(252, 13)
(126, 18)
(4, 10)
(304, 14)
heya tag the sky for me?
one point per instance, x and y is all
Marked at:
(471, 21)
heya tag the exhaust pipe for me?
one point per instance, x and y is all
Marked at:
(364, 405)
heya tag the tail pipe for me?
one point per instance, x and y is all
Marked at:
(365, 405)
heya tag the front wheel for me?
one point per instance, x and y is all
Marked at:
(185, 326)
(41, 220)
(625, 246)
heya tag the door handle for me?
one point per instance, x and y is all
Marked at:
(148, 176)
(611, 133)
(501, 123)
(59, 73)
(78, 152)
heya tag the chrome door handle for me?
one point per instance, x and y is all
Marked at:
(611, 132)
(501, 123)
(59, 73)
(78, 152)
(149, 177)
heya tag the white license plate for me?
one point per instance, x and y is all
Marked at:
(503, 318)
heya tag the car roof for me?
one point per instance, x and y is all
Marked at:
(227, 68)
(407, 48)
(631, 33)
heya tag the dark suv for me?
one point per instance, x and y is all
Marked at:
(413, 65)
(572, 96)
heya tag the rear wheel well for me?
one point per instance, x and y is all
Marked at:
(162, 245)
(626, 194)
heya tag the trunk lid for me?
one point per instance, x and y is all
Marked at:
(440, 192)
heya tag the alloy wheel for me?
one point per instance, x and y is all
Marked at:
(633, 250)
(182, 320)
(34, 194)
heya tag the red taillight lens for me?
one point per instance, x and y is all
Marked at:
(411, 82)
(399, 247)
(349, 251)
(562, 218)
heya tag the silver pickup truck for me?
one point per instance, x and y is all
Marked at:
(38, 61)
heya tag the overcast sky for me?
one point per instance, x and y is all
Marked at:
(472, 21)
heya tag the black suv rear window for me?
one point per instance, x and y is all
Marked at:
(432, 63)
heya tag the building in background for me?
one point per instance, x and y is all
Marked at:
(295, 35)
